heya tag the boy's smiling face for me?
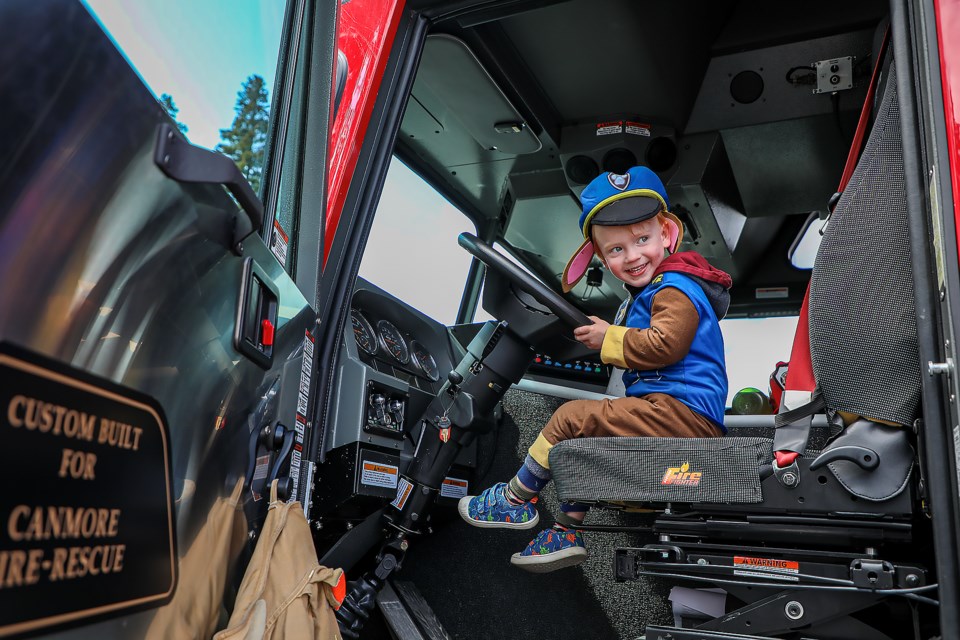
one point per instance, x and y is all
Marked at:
(632, 252)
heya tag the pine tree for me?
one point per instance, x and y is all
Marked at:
(246, 139)
(166, 101)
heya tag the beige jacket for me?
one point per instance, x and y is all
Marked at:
(285, 592)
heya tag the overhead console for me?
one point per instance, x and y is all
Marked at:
(616, 144)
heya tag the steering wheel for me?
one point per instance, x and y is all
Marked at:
(522, 280)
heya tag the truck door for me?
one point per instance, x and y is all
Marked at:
(157, 304)
(931, 186)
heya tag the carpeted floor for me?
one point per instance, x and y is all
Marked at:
(464, 573)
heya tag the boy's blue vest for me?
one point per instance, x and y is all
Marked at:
(699, 380)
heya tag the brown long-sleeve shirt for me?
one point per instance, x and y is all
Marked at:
(673, 325)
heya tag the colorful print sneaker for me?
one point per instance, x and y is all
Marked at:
(552, 549)
(492, 509)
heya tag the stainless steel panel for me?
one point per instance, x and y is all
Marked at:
(113, 268)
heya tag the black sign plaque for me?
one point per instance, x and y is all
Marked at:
(86, 510)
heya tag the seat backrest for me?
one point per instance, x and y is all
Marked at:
(863, 333)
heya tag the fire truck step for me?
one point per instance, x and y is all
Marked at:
(407, 613)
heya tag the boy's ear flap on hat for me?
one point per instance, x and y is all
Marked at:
(674, 230)
(577, 266)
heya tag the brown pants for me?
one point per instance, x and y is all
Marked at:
(654, 415)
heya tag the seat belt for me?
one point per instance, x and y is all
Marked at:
(801, 396)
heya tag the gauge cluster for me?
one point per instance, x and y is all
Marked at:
(407, 348)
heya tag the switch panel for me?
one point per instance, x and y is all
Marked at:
(834, 75)
(386, 409)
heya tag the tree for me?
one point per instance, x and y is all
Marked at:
(166, 101)
(246, 139)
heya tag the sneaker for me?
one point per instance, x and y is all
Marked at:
(552, 549)
(492, 509)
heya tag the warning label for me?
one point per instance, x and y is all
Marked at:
(609, 128)
(379, 475)
(638, 129)
(453, 488)
(260, 471)
(300, 428)
(403, 492)
(766, 568)
(280, 243)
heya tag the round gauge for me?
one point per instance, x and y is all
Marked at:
(363, 332)
(424, 360)
(393, 342)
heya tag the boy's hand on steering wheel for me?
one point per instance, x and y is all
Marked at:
(592, 335)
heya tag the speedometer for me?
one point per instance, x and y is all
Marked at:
(393, 342)
(424, 360)
(363, 332)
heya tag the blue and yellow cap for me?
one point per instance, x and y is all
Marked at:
(620, 199)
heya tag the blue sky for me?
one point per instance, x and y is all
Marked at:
(198, 51)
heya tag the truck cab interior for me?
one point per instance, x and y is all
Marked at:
(378, 337)
(747, 113)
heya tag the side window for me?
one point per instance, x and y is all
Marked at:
(210, 65)
(753, 346)
(412, 251)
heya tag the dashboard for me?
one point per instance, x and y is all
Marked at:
(393, 363)
(387, 344)
(393, 338)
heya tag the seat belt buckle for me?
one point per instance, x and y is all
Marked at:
(785, 468)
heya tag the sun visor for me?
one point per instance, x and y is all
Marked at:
(452, 85)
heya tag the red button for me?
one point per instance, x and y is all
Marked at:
(266, 333)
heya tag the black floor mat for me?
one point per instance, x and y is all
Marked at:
(465, 574)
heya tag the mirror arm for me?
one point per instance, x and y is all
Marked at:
(184, 162)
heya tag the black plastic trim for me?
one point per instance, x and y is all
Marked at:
(934, 433)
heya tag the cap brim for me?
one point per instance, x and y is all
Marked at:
(627, 211)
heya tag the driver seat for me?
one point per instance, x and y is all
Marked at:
(807, 545)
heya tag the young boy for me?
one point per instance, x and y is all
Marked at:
(666, 336)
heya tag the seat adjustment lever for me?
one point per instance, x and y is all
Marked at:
(866, 459)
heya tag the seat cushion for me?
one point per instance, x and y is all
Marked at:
(712, 470)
